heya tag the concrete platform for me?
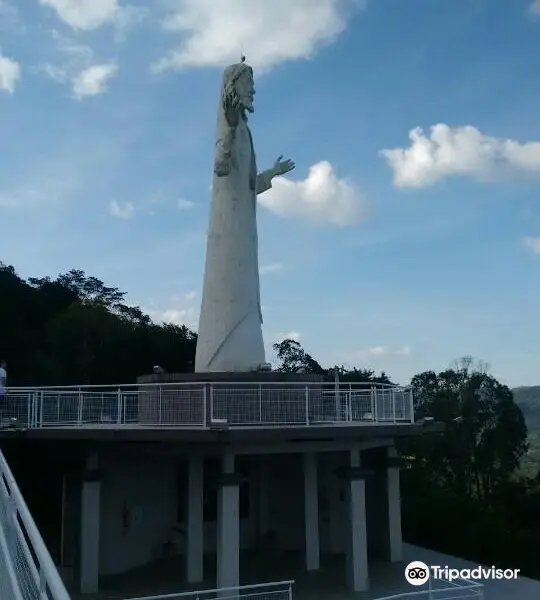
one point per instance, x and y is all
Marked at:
(166, 577)
(351, 430)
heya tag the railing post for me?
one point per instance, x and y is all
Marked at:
(211, 388)
(29, 411)
(411, 404)
(41, 409)
(160, 404)
(119, 406)
(289, 592)
(260, 403)
(80, 408)
(307, 405)
(42, 582)
(11, 519)
(374, 400)
(204, 408)
(393, 405)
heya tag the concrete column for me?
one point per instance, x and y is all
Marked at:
(228, 526)
(335, 511)
(90, 522)
(263, 504)
(357, 563)
(394, 509)
(195, 521)
(311, 511)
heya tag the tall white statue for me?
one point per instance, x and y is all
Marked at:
(230, 325)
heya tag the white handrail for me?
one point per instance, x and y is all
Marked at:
(45, 571)
(330, 385)
(190, 405)
(476, 588)
(238, 592)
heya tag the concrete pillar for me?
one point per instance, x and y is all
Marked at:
(90, 522)
(335, 511)
(263, 511)
(311, 511)
(357, 562)
(228, 526)
(394, 509)
(195, 520)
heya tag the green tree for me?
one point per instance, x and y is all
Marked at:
(485, 435)
(76, 330)
(468, 473)
(294, 359)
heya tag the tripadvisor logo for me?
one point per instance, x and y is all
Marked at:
(418, 573)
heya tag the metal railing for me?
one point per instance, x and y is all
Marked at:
(27, 571)
(452, 590)
(202, 405)
(281, 590)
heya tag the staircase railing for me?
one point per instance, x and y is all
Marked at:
(279, 590)
(27, 571)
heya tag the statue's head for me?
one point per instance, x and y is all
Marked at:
(238, 89)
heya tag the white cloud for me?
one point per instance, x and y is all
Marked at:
(93, 80)
(533, 244)
(382, 351)
(534, 7)
(45, 191)
(458, 151)
(271, 268)
(184, 311)
(288, 335)
(84, 14)
(214, 32)
(78, 67)
(10, 73)
(74, 58)
(320, 198)
(127, 18)
(121, 211)
(185, 204)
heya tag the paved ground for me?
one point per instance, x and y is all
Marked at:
(521, 589)
(166, 577)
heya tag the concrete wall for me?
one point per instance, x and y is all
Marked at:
(286, 502)
(138, 508)
(139, 503)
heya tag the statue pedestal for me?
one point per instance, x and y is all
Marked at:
(264, 398)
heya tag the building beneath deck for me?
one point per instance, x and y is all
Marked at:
(211, 471)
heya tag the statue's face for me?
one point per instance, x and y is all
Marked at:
(245, 90)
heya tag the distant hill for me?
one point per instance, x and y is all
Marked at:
(528, 399)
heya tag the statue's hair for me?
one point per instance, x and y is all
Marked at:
(233, 111)
(229, 94)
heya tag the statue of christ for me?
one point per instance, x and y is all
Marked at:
(230, 325)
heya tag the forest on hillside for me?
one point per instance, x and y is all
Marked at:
(528, 399)
(463, 491)
(74, 329)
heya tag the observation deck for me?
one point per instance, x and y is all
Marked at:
(206, 407)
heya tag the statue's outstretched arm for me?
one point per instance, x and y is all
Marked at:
(264, 179)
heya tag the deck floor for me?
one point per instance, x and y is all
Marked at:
(329, 583)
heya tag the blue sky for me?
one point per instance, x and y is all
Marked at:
(389, 246)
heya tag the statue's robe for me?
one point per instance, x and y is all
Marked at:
(230, 326)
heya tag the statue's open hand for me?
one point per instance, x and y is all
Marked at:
(282, 166)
